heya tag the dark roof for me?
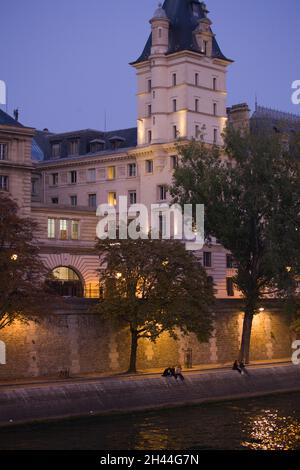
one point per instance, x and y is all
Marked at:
(7, 120)
(184, 16)
(279, 121)
(126, 138)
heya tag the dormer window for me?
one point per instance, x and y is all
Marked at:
(116, 141)
(55, 150)
(97, 145)
(73, 147)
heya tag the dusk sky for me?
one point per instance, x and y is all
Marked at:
(66, 61)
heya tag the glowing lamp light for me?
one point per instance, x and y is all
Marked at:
(118, 275)
(14, 257)
(288, 268)
(261, 309)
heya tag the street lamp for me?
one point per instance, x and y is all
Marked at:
(14, 257)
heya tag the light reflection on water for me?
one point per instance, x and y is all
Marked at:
(269, 423)
(270, 430)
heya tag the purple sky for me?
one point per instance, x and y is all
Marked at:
(66, 61)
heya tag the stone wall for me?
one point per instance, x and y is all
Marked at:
(82, 343)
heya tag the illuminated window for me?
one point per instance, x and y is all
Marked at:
(74, 230)
(51, 228)
(112, 198)
(111, 173)
(63, 229)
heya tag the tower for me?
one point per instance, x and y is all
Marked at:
(181, 77)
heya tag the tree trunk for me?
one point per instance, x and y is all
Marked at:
(133, 352)
(246, 337)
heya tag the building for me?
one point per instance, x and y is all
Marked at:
(60, 179)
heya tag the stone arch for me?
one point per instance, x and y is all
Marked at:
(67, 282)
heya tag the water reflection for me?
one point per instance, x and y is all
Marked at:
(269, 423)
(270, 430)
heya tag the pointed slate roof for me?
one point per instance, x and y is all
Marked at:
(7, 120)
(184, 16)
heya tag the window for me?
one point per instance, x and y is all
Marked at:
(230, 287)
(153, 94)
(54, 178)
(196, 79)
(54, 200)
(74, 147)
(73, 177)
(162, 192)
(34, 187)
(111, 173)
(112, 198)
(149, 86)
(51, 228)
(153, 120)
(159, 33)
(210, 280)
(3, 152)
(132, 170)
(230, 262)
(63, 229)
(207, 259)
(174, 161)
(215, 136)
(197, 131)
(149, 166)
(91, 175)
(149, 137)
(175, 133)
(3, 182)
(214, 83)
(55, 150)
(174, 79)
(197, 105)
(149, 110)
(174, 106)
(74, 230)
(97, 145)
(92, 201)
(215, 109)
(132, 197)
(73, 200)
(205, 43)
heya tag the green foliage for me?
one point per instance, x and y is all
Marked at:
(154, 286)
(22, 293)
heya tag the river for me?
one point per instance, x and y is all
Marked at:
(263, 423)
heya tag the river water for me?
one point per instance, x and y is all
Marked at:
(264, 423)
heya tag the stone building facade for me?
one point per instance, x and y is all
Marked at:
(60, 179)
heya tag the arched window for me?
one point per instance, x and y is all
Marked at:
(66, 282)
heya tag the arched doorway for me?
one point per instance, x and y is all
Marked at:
(66, 282)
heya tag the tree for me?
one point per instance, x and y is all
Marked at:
(22, 274)
(154, 286)
(251, 195)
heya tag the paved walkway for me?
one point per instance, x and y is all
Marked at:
(203, 368)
